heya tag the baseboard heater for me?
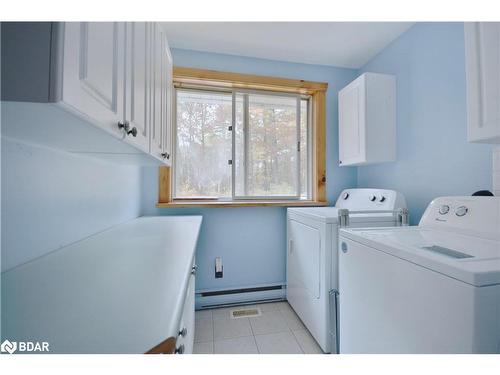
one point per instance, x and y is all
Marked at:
(240, 296)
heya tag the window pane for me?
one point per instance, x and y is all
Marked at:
(270, 150)
(239, 170)
(203, 144)
(304, 148)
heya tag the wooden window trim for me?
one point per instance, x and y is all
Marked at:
(193, 77)
(189, 77)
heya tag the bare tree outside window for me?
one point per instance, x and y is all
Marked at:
(269, 145)
(203, 144)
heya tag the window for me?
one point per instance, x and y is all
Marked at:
(245, 140)
(241, 145)
(202, 144)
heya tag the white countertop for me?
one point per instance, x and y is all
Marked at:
(119, 291)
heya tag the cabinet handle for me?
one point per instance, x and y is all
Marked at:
(180, 349)
(183, 332)
(133, 131)
(125, 125)
(343, 247)
(165, 155)
(193, 269)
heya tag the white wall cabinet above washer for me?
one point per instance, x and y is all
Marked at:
(367, 120)
(111, 75)
(482, 64)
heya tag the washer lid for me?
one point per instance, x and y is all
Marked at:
(471, 259)
(330, 215)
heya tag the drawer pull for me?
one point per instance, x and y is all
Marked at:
(183, 332)
(180, 349)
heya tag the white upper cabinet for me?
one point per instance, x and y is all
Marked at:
(157, 88)
(168, 103)
(482, 64)
(138, 114)
(161, 94)
(110, 76)
(367, 120)
(92, 74)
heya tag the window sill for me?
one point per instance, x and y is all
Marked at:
(219, 204)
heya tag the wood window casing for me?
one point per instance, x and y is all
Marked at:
(190, 77)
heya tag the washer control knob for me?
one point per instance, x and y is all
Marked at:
(461, 211)
(382, 199)
(373, 198)
(444, 209)
(345, 195)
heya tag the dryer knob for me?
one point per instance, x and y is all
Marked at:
(373, 198)
(382, 199)
(461, 211)
(345, 195)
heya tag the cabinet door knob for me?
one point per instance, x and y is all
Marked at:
(165, 155)
(180, 349)
(344, 247)
(133, 131)
(125, 125)
(183, 332)
(193, 269)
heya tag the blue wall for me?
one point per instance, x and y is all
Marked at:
(251, 241)
(52, 198)
(434, 157)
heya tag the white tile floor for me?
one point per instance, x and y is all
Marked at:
(277, 331)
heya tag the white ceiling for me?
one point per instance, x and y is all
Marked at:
(341, 44)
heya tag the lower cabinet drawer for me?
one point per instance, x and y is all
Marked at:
(185, 339)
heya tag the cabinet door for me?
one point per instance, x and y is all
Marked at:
(93, 62)
(482, 60)
(188, 320)
(169, 103)
(157, 87)
(161, 95)
(351, 123)
(137, 82)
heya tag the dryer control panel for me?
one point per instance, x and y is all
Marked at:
(370, 199)
(478, 216)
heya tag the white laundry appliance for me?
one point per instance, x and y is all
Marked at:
(431, 288)
(312, 272)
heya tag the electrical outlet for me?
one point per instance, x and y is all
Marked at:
(219, 268)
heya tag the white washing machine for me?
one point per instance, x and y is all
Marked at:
(312, 272)
(432, 288)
